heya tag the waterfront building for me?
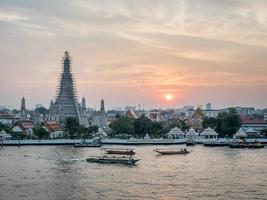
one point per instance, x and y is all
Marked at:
(66, 104)
(175, 133)
(249, 123)
(23, 114)
(265, 116)
(7, 118)
(23, 127)
(54, 128)
(209, 133)
(191, 134)
(4, 135)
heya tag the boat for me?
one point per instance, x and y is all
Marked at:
(255, 145)
(119, 151)
(190, 142)
(216, 143)
(126, 160)
(244, 144)
(172, 151)
(238, 145)
(95, 143)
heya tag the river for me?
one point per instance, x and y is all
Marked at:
(61, 172)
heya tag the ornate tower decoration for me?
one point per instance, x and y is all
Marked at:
(83, 104)
(102, 108)
(65, 104)
(23, 113)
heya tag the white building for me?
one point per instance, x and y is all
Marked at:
(209, 133)
(191, 134)
(175, 133)
(211, 113)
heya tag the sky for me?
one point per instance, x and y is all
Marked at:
(150, 52)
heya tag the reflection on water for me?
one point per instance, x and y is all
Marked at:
(61, 172)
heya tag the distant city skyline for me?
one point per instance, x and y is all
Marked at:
(155, 53)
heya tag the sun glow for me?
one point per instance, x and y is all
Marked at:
(168, 97)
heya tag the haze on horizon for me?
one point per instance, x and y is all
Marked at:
(158, 53)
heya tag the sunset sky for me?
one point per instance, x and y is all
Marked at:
(161, 53)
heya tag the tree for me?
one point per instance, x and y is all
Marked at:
(42, 110)
(157, 130)
(122, 125)
(228, 123)
(40, 132)
(5, 127)
(210, 122)
(142, 126)
(72, 127)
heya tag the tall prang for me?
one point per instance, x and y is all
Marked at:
(65, 104)
(23, 113)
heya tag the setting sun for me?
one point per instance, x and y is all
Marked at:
(168, 97)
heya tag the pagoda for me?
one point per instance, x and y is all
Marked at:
(66, 104)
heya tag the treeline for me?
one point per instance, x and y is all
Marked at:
(226, 124)
(127, 127)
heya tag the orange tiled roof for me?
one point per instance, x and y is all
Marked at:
(52, 126)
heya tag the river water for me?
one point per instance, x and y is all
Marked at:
(61, 172)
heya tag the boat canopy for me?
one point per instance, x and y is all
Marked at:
(209, 131)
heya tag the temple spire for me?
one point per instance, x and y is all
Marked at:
(66, 102)
(23, 108)
(102, 109)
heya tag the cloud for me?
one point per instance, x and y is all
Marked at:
(148, 46)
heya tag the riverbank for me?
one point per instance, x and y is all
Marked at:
(115, 141)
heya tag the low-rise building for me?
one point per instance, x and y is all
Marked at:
(23, 127)
(54, 129)
(211, 113)
(7, 119)
(249, 123)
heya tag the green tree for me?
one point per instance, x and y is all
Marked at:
(210, 122)
(228, 123)
(142, 126)
(41, 133)
(42, 110)
(157, 130)
(72, 127)
(5, 127)
(122, 125)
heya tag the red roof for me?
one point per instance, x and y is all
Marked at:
(52, 126)
(251, 120)
(24, 124)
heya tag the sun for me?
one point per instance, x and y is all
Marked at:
(168, 97)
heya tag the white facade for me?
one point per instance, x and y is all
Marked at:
(211, 113)
(209, 133)
(175, 133)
